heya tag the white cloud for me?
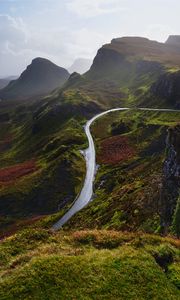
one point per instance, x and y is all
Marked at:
(85, 42)
(158, 32)
(21, 40)
(12, 29)
(93, 8)
(19, 44)
(16, 45)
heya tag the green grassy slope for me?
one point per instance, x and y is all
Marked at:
(131, 149)
(42, 169)
(38, 264)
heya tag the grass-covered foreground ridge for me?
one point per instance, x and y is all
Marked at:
(38, 264)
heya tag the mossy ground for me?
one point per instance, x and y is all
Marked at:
(39, 264)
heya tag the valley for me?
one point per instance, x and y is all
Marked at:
(90, 176)
(141, 152)
(115, 151)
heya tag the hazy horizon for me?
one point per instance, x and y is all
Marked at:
(65, 30)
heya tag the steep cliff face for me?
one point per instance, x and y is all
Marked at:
(171, 177)
(167, 87)
(106, 63)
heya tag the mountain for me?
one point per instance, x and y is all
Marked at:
(80, 65)
(122, 52)
(124, 72)
(40, 78)
(5, 81)
(135, 54)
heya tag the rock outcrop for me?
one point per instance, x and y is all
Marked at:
(171, 178)
(168, 87)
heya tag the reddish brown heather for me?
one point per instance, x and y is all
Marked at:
(115, 149)
(9, 174)
(19, 225)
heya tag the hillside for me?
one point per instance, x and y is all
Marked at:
(42, 168)
(137, 183)
(40, 78)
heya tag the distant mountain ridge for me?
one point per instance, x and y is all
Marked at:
(40, 78)
(6, 80)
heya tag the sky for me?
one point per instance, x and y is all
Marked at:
(63, 30)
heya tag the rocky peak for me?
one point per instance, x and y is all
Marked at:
(41, 65)
(39, 60)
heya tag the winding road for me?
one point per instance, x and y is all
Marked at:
(86, 193)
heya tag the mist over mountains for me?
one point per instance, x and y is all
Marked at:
(80, 65)
(117, 63)
(5, 81)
